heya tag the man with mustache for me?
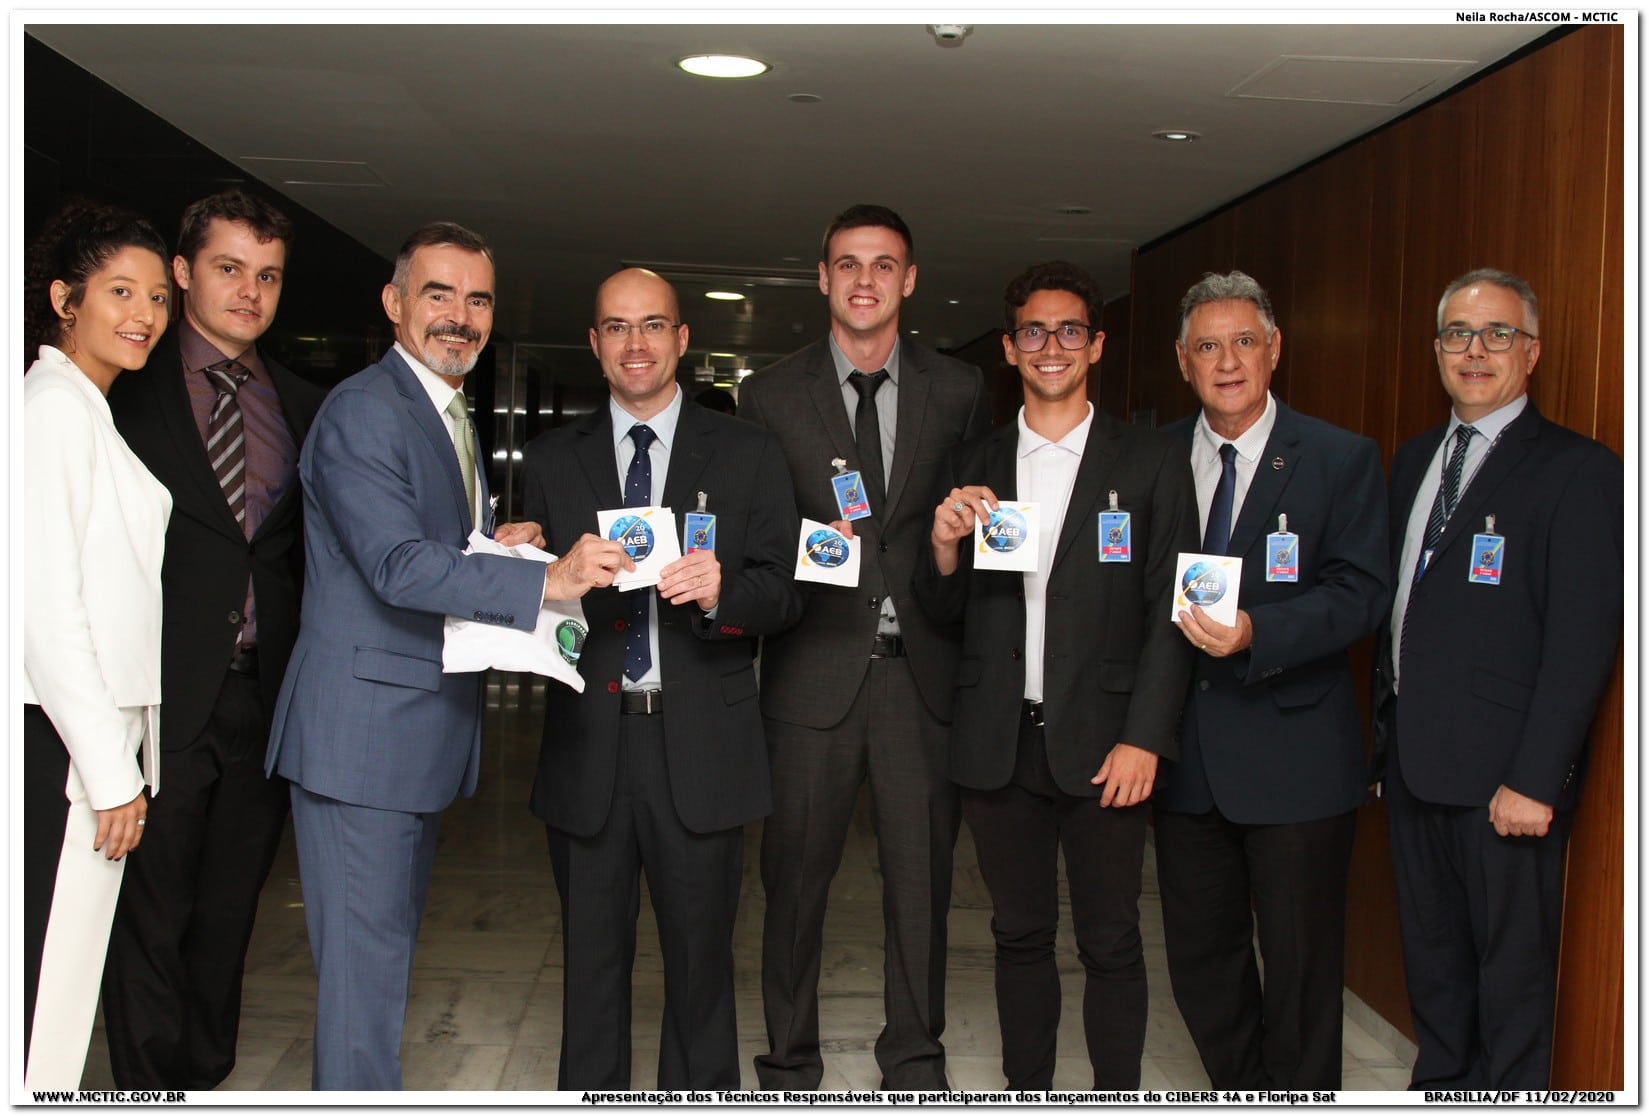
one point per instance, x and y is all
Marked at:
(374, 737)
(219, 423)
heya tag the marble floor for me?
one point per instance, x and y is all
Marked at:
(485, 1010)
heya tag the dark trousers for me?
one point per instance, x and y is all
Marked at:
(1018, 833)
(889, 738)
(1480, 916)
(1217, 879)
(177, 951)
(45, 817)
(693, 880)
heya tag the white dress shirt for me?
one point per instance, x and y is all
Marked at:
(663, 426)
(1206, 465)
(1489, 428)
(1045, 473)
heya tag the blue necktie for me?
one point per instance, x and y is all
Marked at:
(1217, 539)
(638, 493)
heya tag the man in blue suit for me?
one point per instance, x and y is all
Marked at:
(374, 738)
(1255, 821)
(1508, 542)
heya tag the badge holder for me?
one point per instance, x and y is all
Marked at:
(1116, 533)
(1282, 553)
(1488, 556)
(851, 498)
(700, 528)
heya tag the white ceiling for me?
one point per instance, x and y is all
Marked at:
(577, 148)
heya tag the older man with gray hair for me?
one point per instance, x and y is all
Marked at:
(1255, 820)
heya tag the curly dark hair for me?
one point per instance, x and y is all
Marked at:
(1054, 275)
(72, 247)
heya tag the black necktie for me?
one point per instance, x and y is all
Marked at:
(867, 431)
(226, 433)
(1217, 538)
(638, 493)
(1448, 496)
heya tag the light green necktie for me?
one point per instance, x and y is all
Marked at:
(464, 439)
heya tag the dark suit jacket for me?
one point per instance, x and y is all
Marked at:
(1500, 682)
(712, 723)
(208, 558)
(1114, 667)
(1274, 734)
(811, 675)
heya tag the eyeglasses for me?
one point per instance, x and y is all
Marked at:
(1033, 339)
(617, 330)
(1496, 339)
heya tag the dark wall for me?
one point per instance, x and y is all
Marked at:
(1521, 169)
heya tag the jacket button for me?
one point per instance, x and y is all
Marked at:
(509, 618)
(881, 548)
(619, 625)
(612, 687)
(235, 617)
(875, 602)
(1015, 653)
(1204, 684)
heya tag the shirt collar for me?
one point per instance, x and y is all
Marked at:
(1493, 424)
(1073, 442)
(845, 368)
(440, 392)
(1250, 443)
(662, 424)
(196, 352)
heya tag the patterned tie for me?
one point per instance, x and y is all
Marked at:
(1448, 497)
(226, 433)
(867, 431)
(1217, 538)
(638, 493)
(463, 439)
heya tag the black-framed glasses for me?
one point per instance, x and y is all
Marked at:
(1496, 339)
(1034, 338)
(616, 329)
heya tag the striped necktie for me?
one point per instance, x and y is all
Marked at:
(226, 433)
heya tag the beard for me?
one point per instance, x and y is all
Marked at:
(439, 360)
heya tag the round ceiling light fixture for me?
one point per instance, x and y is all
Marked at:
(724, 296)
(1177, 135)
(722, 65)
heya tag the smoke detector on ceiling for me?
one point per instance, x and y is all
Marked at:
(950, 34)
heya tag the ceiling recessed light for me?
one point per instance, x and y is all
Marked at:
(1177, 135)
(803, 98)
(722, 356)
(723, 65)
(954, 301)
(724, 296)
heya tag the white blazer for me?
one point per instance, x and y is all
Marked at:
(94, 531)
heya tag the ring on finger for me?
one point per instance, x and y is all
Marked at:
(958, 507)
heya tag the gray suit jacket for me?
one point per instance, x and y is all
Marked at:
(811, 674)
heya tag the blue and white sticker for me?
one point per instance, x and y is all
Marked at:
(634, 534)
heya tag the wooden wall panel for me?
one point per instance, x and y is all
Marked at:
(1521, 170)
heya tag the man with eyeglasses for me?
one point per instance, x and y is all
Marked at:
(1071, 677)
(658, 764)
(860, 690)
(1254, 822)
(1507, 534)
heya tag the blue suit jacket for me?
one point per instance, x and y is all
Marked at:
(1500, 682)
(365, 714)
(1273, 734)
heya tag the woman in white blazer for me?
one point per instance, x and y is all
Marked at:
(97, 299)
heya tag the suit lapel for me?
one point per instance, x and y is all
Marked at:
(826, 393)
(428, 421)
(1516, 442)
(913, 407)
(172, 395)
(298, 428)
(688, 458)
(594, 452)
(1265, 489)
(1099, 456)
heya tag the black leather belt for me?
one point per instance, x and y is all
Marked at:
(245, 661)
(887, 647)
(1033, 713)
(641, 701)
